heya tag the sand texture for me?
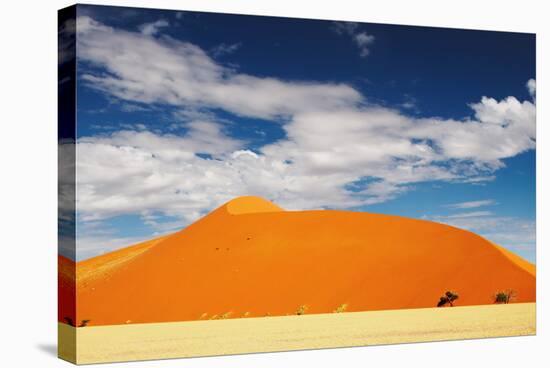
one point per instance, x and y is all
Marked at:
(232, 336)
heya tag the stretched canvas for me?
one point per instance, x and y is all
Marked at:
(233, 184)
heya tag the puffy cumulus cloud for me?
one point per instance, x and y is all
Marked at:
(337, 151)
(134, 172)
(369, 139)
(141, 68)
(143, 173)
(339, 159)
(383, 143)
(501, 129)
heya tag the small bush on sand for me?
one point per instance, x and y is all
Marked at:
(448, 298)
(246, 314)
(70, 322)
(505, 296)
(341, 308)
(302, 309)
(226, 315)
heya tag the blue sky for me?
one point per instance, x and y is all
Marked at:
(179, 112)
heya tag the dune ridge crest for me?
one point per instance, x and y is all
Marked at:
(250, 204)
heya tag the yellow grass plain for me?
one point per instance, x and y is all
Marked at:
(267, 334)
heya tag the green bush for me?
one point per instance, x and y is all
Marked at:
(505, 296)
(341, 308)
(448, 298)
(301, 310)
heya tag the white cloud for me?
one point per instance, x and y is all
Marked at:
(131, 172)
(362, 39)
(329, 136)
(472, 204)
(129, 107)
(465, 215)
(337, 151)
(187, 76)
(225, 49)
(501, 129)
(312, 167)
(151, 29)
(532, 87)
(67, 37)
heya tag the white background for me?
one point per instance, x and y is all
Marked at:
(28, 180)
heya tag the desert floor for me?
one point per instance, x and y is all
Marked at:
(245, 335)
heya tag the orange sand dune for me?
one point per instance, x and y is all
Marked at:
(66, 297)
(251, 258)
